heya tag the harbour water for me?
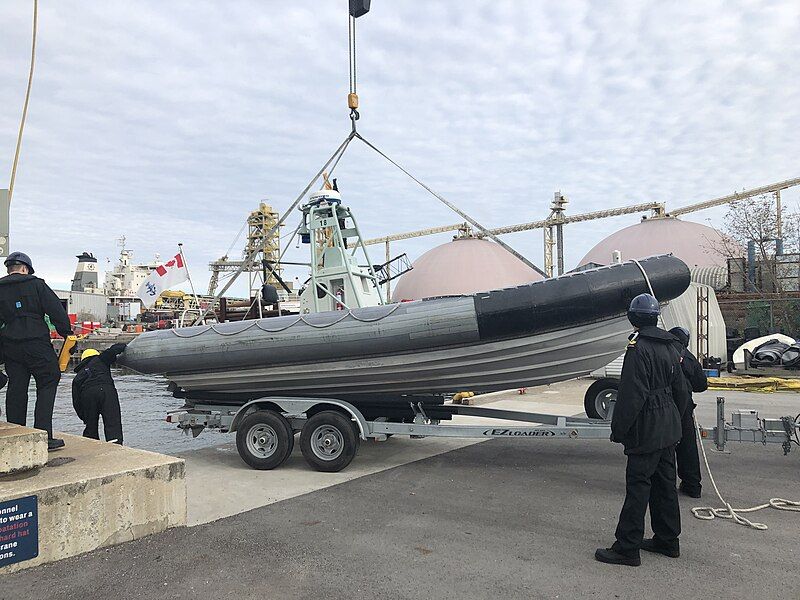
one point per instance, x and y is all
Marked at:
(144, 401)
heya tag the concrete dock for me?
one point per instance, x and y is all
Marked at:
(512, 518)
(88, 495)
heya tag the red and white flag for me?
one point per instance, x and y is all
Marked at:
(162, 278)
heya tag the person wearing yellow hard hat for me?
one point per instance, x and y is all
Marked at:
(94, 394)
(89, 353)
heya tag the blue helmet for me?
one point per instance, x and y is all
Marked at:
(19, 258)
(644, 310)
(681, 334)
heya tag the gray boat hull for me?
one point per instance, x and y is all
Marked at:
(528, 361)
(536, 334)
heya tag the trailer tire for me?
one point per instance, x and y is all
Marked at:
(599, 396)
(264, 439)
(329, 441)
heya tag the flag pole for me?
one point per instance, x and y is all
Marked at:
(189, 277)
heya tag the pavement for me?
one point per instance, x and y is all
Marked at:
(245, 489)
(513, 518)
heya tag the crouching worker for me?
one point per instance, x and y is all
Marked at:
(94, 394)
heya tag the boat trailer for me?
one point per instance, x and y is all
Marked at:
(331, 430)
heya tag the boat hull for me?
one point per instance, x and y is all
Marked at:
(535, 334)
(531, 360)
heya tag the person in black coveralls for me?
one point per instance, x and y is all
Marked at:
(24, 302)
(94, 393)
(647, 422)
(686, 452)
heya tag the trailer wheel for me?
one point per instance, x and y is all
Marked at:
(264, 439)
(329, 441)
(599, 398)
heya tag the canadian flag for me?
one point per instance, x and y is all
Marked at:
(161, 278)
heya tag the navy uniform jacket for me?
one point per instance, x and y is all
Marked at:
(652, 394)
(24, 301)
(693, 371)
(94, 371)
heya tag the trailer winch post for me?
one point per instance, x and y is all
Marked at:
(719, 434)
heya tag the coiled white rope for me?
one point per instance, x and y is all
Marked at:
(708, 513)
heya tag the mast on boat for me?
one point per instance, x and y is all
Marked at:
(337, 280)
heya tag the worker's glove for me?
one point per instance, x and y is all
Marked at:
(118, 348)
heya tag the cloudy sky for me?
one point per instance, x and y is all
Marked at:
(168, 122)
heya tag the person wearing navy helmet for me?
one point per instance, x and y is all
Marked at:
(686, 452)
(25, 335)
(647, 422)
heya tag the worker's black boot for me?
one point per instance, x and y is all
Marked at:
(690, 490)
(654, 545)
(612, 557)
(54, 444)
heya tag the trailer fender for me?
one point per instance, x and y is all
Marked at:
(296, 406)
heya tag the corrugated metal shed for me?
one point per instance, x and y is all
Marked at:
(86, 305)
(715, 277)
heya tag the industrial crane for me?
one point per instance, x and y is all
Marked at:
(554, 223)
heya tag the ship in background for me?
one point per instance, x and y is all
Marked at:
(123, 281)
(115, 303)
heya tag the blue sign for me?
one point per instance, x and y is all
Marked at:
(19, 530)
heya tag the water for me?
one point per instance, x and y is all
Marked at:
(144, 401)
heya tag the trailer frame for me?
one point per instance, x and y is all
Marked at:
(266, 427)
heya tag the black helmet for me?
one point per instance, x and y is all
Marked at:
(681, 334)
(644, 310)
(19, 258)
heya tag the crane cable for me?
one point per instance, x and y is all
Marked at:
(352, 103)
(352, 96)
(25, 104)
(707, 513)
(455, 209)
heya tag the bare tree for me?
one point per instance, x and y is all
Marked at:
(755, 220)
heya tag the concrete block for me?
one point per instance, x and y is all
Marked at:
(21, 448)
(93, 494)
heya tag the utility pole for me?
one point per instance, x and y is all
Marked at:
(554, 235)
(388, 282)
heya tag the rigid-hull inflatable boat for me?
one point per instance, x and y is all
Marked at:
(534, 334)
